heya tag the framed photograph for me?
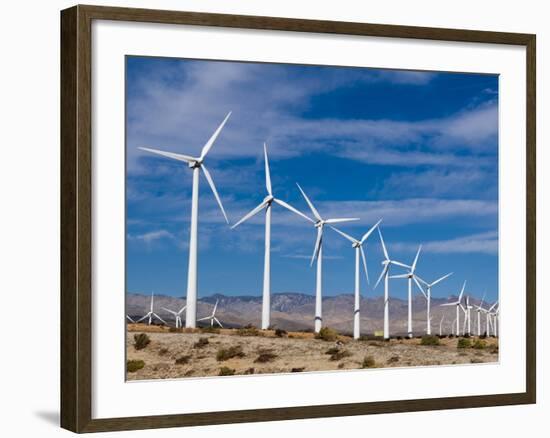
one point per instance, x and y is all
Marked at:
(268, 218)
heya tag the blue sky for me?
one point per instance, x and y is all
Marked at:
(417, 149)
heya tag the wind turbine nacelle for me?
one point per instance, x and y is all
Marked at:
(193, 164)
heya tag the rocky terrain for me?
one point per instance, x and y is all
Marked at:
(168, 353)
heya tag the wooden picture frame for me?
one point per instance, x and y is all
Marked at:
(76, 217)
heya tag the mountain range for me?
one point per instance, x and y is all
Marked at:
(294, 311)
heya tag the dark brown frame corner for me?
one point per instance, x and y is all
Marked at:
(76, 225)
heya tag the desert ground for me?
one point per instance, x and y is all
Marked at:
(204, 352)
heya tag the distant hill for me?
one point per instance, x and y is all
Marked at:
(294, 311)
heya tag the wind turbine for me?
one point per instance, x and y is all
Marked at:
(319, 223)
(440, 326)
(491, 315)
(196, 164)
(458, 305)
(428, 296)
(177, 315)
(410, 276)
(467, 312)
(151, 313)
(453, 327)
(267, 204)
(212, 317)
(386, 263)
(479, 309)
(359, 253)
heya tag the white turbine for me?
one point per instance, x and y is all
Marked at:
(492, 314)
(467, 317)
(410, 276)
(195, 163)
(177, 315)
(428, 296)
(212, 317)
(319, 223)
(130, 319)
(458, 305)
(151, 313)
(359, 253)
(387, 262)
(441, 326)
(479, 309)
(267, 204)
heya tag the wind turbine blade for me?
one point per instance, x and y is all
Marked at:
(462, 292)
(368, 233)
(213, 187)
(253, 212)
(159, 318)
(447, 304)
(215, 307)
(382, 275)
(493, 306)
(210, 142)
(173, 155)
(218, 321)
(267, 174)
(413, 267)
(403, 265)
(313, 209)
(339, 220)
(462, 307)
(482, 299)
(424, 282)
(419, 287)
(441, 279)
(182, 309)
(170, 311)
(364, 258)
(292, 209)
(383, 244)
(130, 319)
(203, 319)
(142, 318)
(317, 245)
(400, 276)
(347, 236)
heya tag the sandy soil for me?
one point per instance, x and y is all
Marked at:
(176, 355)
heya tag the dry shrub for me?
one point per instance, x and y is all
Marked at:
(327, 334)
(248, 330)
(429, 340)
(133, 365)
(229, 353)
(280, 333)
(464, 343)
(182, 360)
(479, 344)
(141, 341)
(226, 371)
(368, 362)
(201, 343)
(266, 356)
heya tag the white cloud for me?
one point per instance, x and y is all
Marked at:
(484, 243)
(152, 236)
(181, 115)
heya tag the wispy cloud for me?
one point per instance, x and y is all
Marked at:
(181, 114)
(484, 243)
(151, 236)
